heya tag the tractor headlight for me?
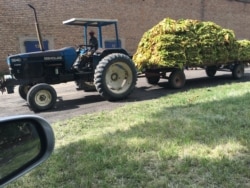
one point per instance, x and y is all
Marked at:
(16, 60)
(11, 60)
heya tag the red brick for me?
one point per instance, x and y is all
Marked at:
(134, 16)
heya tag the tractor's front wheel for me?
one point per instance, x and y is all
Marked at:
(115, 76)
(41, 97)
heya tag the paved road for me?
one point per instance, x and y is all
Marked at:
(71, 103)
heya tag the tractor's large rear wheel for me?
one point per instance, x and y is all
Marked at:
(115, 76)
(41, 97)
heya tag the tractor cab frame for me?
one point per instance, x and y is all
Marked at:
(96, 23)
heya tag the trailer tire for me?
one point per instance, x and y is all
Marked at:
(211, 71)
(238, 71)
(177, 79)
(115, 76)
(41, 97)
(152, 77)
(23, 91)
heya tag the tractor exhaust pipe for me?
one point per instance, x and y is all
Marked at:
(38, 32)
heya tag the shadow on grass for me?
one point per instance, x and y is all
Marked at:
(163, 88)
(159, 153)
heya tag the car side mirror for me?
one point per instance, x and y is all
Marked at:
(25, 142)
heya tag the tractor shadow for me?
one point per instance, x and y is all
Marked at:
(69, 104)
(142, 92)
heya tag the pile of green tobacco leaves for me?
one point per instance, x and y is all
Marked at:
(186, 42)
(244, 50)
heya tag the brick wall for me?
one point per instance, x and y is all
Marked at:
(134, 18)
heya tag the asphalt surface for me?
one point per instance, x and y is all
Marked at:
(72, 103)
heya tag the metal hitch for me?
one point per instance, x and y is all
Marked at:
(6, 84)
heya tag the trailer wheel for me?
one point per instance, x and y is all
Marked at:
(41, 97)
(115, 76)
(211, 71)
(23, 91)
(177, 79)
(238, 71)
(152, 77)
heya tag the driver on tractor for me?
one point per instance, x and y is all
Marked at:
(93, 42)
(85, 58)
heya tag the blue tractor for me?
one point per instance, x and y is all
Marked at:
(110, 71)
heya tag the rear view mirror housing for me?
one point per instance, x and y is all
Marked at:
(25, 142)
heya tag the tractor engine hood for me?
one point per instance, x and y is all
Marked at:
(32, 64)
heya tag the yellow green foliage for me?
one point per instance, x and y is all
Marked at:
(244, 50)
(186, 42)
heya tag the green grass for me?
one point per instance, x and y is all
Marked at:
(198, 138)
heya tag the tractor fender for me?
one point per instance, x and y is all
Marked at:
(100, 53)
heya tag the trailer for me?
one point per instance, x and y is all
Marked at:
(172, 46)
(177, 79)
